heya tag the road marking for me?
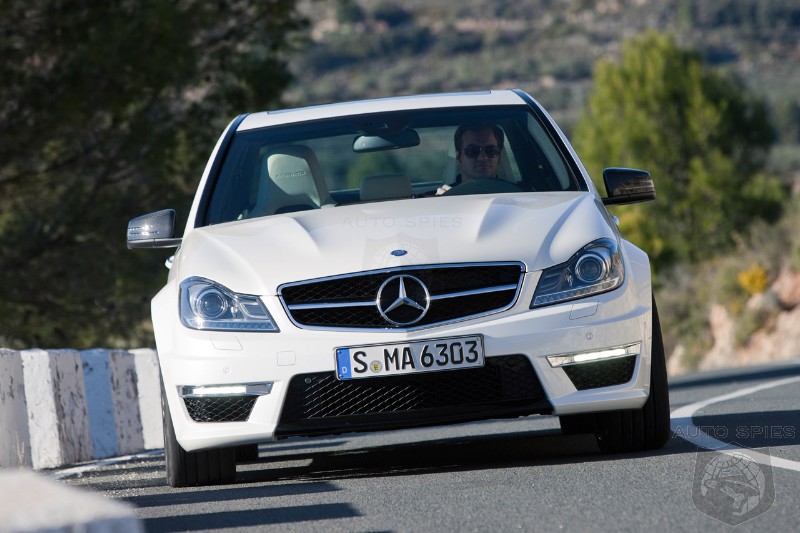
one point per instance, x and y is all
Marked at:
(682, 425)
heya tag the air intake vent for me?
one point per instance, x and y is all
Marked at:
(319, 403)
(220, 409)
(601, 373)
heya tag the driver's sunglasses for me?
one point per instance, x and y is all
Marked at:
(473, 151)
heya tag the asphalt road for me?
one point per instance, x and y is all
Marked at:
(507, 475)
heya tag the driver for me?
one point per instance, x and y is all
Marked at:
(479, 147)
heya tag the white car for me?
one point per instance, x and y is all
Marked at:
(401, 262)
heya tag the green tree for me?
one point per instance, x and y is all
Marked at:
(349, 12)
(392, 14)
(698, 131)
(109, 110)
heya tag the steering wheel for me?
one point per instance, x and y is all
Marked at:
(483, 186)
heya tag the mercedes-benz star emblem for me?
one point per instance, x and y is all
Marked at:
(403, 300)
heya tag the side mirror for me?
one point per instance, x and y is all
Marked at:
(156, 230)
(628, 186)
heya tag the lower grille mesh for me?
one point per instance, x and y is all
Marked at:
(601, 373)
(227, 409)
(321, 395)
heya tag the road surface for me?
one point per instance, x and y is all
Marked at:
(506, 475)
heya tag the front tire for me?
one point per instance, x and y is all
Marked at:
(646, 428)
(191, 469)
(576, 424)
(246, 453)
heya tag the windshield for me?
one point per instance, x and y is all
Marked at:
(400, 155)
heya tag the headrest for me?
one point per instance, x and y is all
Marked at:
(291, 180)
(385, 186)
(292, 170)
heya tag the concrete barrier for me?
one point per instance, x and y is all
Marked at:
(112, 400)
(15, 441)
(148, 379)
(30, 502)
(63, 407)
(57, 411)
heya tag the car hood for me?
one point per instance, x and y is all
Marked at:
(256, 256)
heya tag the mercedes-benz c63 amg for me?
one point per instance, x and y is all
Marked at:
(401, 262)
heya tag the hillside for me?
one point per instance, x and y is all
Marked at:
(369, 48)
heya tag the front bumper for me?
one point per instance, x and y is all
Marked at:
(297, 358)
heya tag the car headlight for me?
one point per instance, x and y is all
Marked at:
(210, 306)
(596, 268)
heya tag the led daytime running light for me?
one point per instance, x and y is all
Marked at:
(590, 357)
(576, 293)
(210, 391)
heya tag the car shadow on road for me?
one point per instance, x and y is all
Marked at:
(317, 470)
(316, 462)
(506, 450)
(528, 448)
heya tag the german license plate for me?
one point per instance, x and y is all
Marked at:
(375, 360)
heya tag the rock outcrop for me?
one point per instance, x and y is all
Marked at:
(777, 340)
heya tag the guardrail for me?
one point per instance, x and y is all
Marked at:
(62, 407)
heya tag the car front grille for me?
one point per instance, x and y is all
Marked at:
(455, 292)
(220, 409)
(320, 403)
(601, 373)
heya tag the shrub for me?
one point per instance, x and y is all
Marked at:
(748, 322)
(754, 279)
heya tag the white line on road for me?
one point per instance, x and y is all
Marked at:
(683, 426)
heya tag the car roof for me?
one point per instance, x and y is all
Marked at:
(398, 103)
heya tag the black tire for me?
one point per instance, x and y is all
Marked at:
(191, 469)
(576, 424)
(246, 453)
(646, 428)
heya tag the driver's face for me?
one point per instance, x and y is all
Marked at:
(480, 166)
